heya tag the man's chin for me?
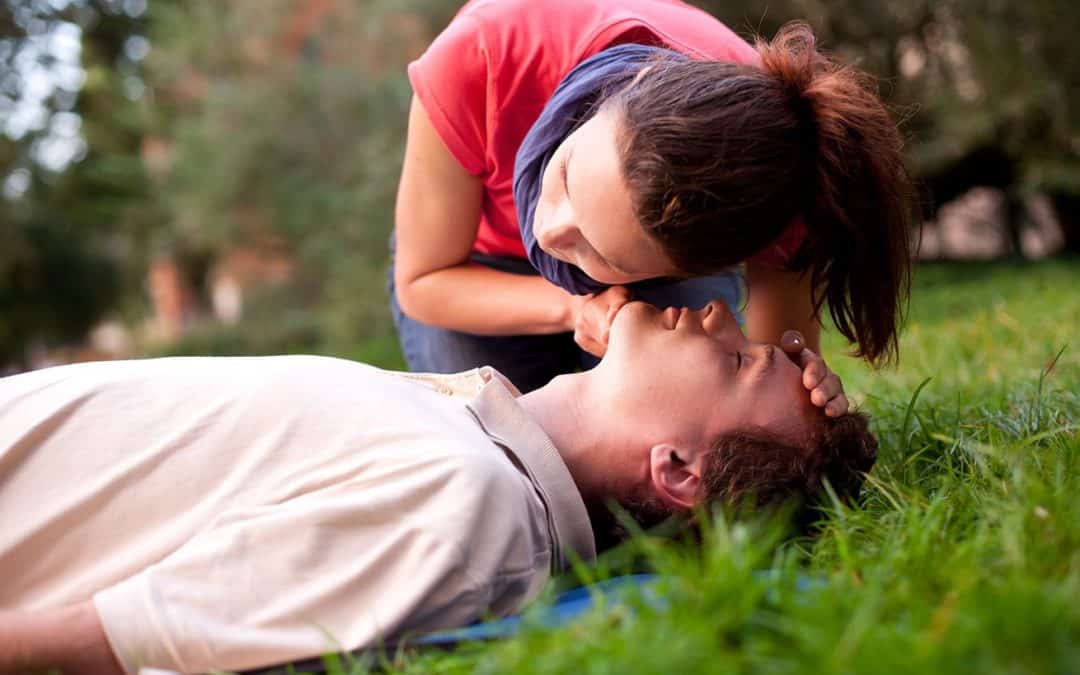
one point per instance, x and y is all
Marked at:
(633, 316)
(634, 310)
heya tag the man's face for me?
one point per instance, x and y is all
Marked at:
(699, 377)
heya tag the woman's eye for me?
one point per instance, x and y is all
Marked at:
(738, 364)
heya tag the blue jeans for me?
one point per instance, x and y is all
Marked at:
(530, 361)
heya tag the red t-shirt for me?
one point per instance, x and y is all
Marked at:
(485, 79)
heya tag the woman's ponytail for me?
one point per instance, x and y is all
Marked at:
(859, 210)
(721, 158)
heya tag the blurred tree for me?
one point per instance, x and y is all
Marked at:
(75, 209)
(285, 121)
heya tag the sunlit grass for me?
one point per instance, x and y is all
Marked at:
(964, 558)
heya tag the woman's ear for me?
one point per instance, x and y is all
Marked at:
(675, 474)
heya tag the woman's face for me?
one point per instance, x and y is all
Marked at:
(585, 214)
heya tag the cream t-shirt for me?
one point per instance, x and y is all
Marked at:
(231, 513)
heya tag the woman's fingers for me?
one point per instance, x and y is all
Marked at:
(586, 329)
(826, 389)
(829, 394)
(593, 323)
(814, 369)
(590, 345)
(612, 300)
(837, 407)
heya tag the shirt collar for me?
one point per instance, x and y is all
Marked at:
(464, 385)
(508, 425)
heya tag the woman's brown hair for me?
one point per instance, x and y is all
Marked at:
(722, 158)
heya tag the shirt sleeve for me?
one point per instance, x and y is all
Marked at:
(338, 570)
(451, 80)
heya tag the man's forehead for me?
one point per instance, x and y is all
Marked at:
(786, 402)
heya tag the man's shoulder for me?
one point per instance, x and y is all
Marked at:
(482, 503)
(480, 468)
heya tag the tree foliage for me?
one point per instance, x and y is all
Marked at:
(293, 131)
(76, 210)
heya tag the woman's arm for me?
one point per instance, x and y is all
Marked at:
(69, 639)
(437, 215)
(781, 302)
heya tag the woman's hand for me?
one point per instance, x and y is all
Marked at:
(591, 317)
(826, 390)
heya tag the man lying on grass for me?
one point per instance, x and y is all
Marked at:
(228, 513)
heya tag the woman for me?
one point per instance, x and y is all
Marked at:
(633, 148)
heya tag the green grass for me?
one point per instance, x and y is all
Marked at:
(965, 556)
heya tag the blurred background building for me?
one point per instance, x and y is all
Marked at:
(198, 176)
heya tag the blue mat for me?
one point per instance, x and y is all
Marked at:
(567, 607)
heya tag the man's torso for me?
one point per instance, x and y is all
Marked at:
(110, 472)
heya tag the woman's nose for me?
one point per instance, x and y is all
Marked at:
(557, 232)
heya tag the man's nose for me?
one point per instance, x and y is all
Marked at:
(725, 319)
(722, 325)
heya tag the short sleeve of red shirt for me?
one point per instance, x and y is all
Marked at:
(450, 79)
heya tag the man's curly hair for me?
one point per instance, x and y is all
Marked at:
(759, 467)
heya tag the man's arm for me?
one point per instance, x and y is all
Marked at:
(353, 564)
(70, 639)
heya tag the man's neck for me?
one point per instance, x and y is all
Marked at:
(561, 409)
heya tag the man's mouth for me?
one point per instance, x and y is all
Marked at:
(673, 316)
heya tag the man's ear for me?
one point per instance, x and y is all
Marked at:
(676, 474)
